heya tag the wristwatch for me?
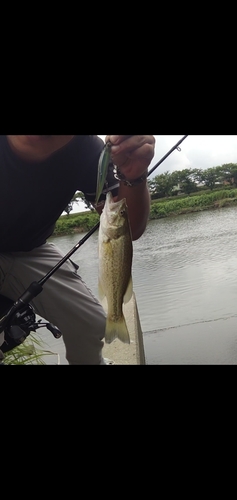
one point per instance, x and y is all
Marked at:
(134, 182)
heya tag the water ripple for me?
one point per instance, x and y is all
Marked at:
(184, 268)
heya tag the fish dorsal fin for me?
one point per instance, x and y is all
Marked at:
(129, 291)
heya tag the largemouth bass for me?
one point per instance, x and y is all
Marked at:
(115, 264)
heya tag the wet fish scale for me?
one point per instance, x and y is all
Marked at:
(115, 263)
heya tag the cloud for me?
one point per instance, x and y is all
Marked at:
(197, 151)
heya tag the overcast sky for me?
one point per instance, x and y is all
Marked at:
(197, 151)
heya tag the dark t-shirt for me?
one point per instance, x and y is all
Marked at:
(33, 195)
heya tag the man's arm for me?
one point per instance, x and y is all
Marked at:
(138, 202)
(132, 155)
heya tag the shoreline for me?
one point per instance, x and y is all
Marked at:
(217, 204)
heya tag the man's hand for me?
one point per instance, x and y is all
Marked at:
(132, 154)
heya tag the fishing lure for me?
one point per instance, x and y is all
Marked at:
(102, 169)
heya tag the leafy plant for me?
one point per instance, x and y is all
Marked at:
(214, 199)
(30, 352)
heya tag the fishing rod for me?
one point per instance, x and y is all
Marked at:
(94, 228)
(24, 312)
(176, 146)
(37, 286)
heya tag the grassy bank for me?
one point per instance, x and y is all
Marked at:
(84, 221)
(194, 203)
(76, 223)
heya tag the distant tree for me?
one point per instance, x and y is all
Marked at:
(174, 177)
(151, 185)
(197, 175)
(229, 173)
(161, 185)
(187, 180)
(209, 177)
(68, 208)
(86, 202)
(75, 199)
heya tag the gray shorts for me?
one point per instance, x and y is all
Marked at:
(64, 301)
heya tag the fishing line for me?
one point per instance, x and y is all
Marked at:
(37, 286)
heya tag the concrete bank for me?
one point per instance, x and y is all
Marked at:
(117, 351)
(133, 353)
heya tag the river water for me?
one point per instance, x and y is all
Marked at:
(185, 282)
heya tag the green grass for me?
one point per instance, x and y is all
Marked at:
(177, 206)
(82, 222)
(162, 207)
(30, 352)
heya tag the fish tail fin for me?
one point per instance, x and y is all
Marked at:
(115, 330)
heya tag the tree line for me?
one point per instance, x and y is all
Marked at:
(189, 180)
(184, 181)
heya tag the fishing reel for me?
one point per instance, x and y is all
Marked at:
(19, 324)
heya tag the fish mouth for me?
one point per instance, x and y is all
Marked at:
(115, 209)
(115, 204)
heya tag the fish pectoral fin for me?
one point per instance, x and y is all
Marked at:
(129, 291)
